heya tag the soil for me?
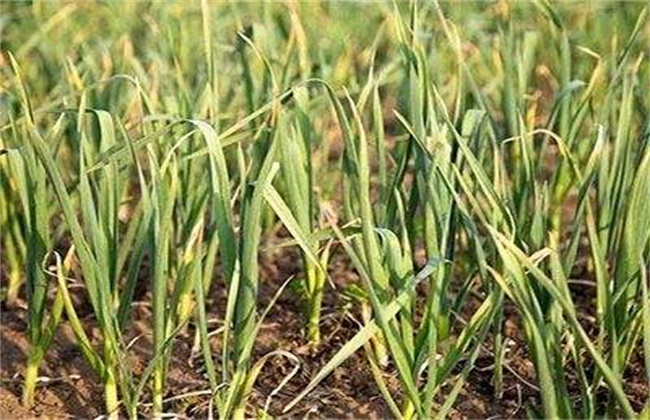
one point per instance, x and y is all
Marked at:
(74, 391)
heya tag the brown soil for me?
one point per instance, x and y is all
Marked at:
(350, 392)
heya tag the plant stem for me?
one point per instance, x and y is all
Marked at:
(13, 288)
(158, 385)
(110, 394)
(31, 376)
(409, 410)
(316, 282)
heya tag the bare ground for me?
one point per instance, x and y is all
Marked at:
(74, 391)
